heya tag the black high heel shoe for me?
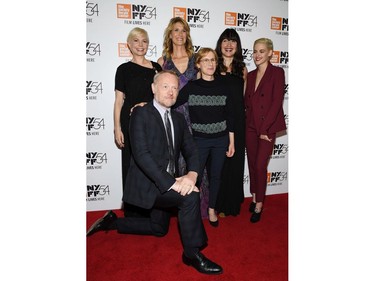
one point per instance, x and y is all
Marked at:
(212, 223)
(252, 207)
(255, 217)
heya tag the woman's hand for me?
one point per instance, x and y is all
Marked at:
(265, 137)
(138, 104)
(119, 138)
(231, 149)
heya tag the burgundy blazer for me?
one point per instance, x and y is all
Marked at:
(264, 107)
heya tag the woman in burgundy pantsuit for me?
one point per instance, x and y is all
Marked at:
(264, 118)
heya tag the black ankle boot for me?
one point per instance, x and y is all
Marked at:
(255, 217)
(252, 207)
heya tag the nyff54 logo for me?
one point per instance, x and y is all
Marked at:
(97, 190)
(247, 54)
(95, 158)
(286, 91)
(92, 49)
(131, 11)
(240, 19)
(280, 148)
(196, 48)
(192, 15)
(93, 88)
(92, 9)
(276, 177)
(94, 123)
(286, 117)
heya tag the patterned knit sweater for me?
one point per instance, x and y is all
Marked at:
(210, 107)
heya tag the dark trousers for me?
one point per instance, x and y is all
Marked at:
(212, 156)
(193, 234)
(258, 155)
(129, 210)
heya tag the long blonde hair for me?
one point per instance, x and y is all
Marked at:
(167, 42)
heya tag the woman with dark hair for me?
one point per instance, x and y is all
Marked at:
(233, 70)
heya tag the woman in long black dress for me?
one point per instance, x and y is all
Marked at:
(233, 69)
(132, 86)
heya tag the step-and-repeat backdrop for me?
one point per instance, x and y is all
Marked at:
(108, 24)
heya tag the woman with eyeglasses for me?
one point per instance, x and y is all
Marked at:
(211, 116)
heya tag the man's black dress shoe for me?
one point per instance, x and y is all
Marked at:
(102, 223)
(252, 207)
(255, 217)
(202, 264)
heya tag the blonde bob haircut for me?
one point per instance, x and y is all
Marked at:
(265, 41)
(137, 31)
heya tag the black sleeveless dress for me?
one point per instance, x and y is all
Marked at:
(135, 81)
(231, 193)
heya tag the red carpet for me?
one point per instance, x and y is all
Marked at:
(246, 251)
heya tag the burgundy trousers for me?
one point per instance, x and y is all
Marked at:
(258, 155)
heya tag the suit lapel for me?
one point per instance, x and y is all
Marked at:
(157, 116)
(265, 77)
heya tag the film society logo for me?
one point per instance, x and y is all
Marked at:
(281, 58)
(280, 25)
(279, 151)
(194, 17)
(92, 50)
(95, 160)
(123, 51)
(94, 125)
(93, 89)
(276, 178)
(96, 192)
(92, 10)
(241, 21)
(136, 14)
